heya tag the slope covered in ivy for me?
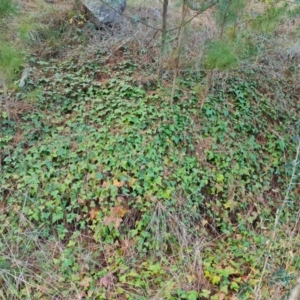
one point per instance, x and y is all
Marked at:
(111, 192)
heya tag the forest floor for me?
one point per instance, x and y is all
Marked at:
(113, 189)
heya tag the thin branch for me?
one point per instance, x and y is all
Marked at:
(279, 212)
(193, 17)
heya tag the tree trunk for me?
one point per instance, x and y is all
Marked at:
(179, 46)
(163, 41)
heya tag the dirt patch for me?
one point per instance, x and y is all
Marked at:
(201, 147)
(16, 108)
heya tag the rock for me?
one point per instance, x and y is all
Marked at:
(25, 75)
(104, 12)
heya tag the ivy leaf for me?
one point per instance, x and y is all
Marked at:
(99, 176)
(231, 204)
(205, 293)
(234, 286)
(220, 177)
(226, 272)
(192, 295)
(154, 268)
(158, 180)
(71, 243)
(215, 279)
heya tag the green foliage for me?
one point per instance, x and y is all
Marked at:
(109, 192)
(220, 56)
(229, 12)
(196, 4)
(28, 30)
(141, 176)
(243, 45)
(269, 21)
(6, 7)
(11, 60)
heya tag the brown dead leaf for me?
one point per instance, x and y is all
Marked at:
(80, 295)
(131, 182)
(85, 282)
(106, 281)
(42, 289)
(118, 183)
(93, 213)
(119, 211)
(105, 184)
(112, 220)
(80, 201)
(204, 222)
(90, 293)
(221, 296)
